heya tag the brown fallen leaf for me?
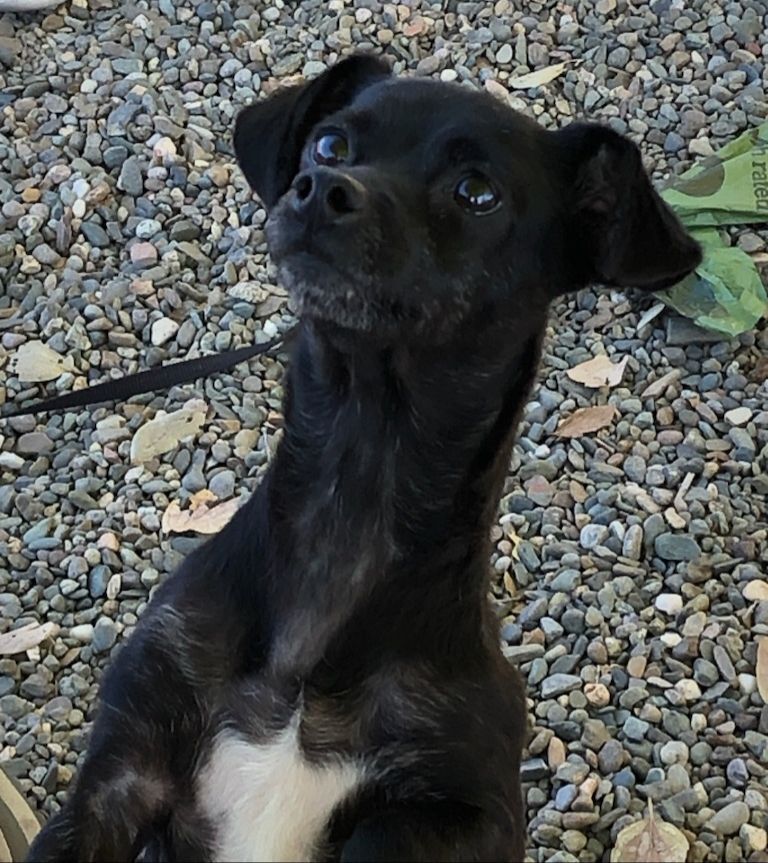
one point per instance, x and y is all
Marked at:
(537, 78)
(35, 362)
(26, 637)
(598, 372)
(762, 669)
(202, 519)
(650, 840)
(586, 420)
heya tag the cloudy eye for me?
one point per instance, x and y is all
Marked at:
(477, 194)
(331, 148)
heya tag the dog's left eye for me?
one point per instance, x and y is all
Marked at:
(332, 148)
(477, 194)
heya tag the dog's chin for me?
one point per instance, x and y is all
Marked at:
(322, 293)
(358, 304)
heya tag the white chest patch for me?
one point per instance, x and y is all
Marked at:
(266, 802)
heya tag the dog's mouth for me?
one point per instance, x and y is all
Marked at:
(341, 281)
(325, 283)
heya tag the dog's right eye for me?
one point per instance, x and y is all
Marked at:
(477, 194)
(331, 148)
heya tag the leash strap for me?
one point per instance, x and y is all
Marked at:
(159, 378)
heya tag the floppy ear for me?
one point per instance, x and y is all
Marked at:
(621, 232)
(270, 134)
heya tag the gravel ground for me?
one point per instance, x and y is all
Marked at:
(626, 560)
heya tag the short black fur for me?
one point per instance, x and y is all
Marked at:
(351, 590)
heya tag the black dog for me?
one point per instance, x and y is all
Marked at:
(323, 679)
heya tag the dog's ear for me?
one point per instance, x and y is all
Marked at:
(621, 232)
(270, 134)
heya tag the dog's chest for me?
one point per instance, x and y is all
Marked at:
(266, 802)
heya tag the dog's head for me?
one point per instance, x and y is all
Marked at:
(403, 206)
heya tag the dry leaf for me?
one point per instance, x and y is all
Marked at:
(650, 841)
(202, 519)
(164, 433)
(537, 78)
(598, 372)
(756, 590)
(762, 669)
(35, 362)
(26, 637)
(586, 420)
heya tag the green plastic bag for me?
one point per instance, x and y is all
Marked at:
(726, 292)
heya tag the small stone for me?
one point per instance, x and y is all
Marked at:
(163, 149)
(632, 547)
(82, 632)
(673, 142)
(744, 445)
(611, 757)
(163, 330)
(688, 690)
(737, 773)
(559, 684)
(58, 708)
(723, 662)
(755, 838)
(530, 771)
(669, 603)
(705, 673)
(95, 235)
(504, 54)
(11, 461)
(728, 820)
(738, 416)
(143, 255)
(34, 443)
(593, 535)
(130, 179)
(104, 635)
(597, 694)
(672, 546)
(635, 729)
(756, 591)
(674, 752)
(14, 707)
(98, 578)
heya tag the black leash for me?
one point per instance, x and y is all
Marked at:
(148, 381)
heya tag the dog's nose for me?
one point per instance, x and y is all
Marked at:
(332, 194)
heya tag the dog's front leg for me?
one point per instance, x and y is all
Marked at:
(145, 726)
(434, 833)
(106, 816)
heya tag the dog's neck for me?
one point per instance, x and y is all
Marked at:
(386, 482)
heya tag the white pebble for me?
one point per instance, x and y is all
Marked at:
(669, 603)
(738, 416)
(163, 330)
